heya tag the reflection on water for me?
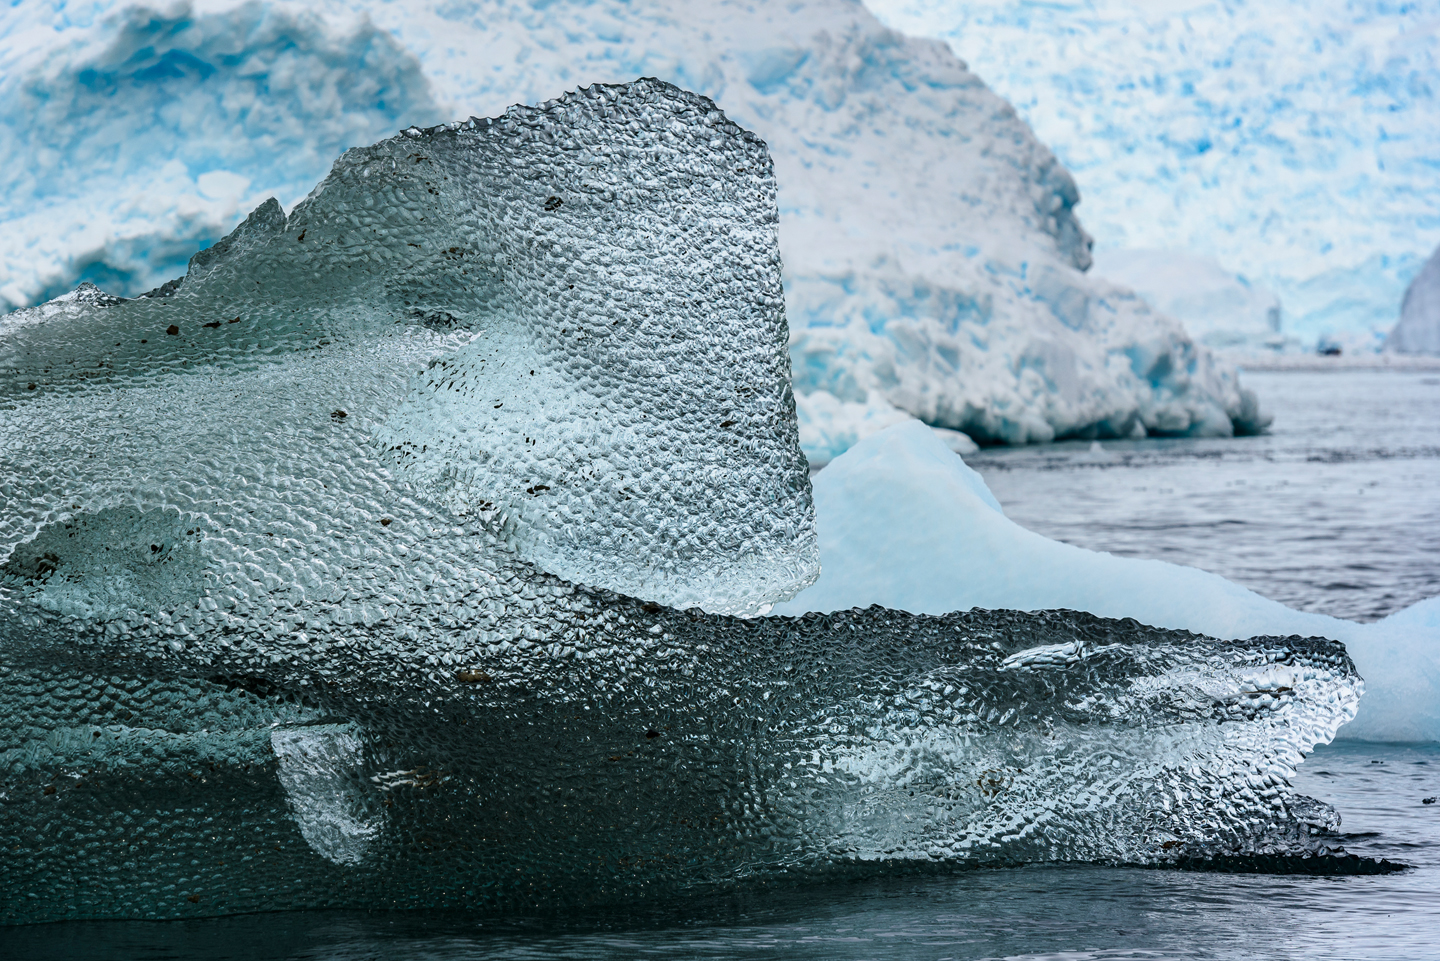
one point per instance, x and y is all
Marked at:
(1043, 911)
(1337, 510)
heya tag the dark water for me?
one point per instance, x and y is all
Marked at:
(1032, 912)
(1337, 510)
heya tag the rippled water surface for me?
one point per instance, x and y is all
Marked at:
(1336, 510)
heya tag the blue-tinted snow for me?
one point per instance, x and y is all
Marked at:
(133, 139)
(1294, 141)
(934, 264)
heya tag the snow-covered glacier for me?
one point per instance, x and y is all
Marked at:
(347, 570)
(133, 137)
(1292, 141)
(1221, 309)
(933, 263)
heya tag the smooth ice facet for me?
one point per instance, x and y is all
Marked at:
(317, 770)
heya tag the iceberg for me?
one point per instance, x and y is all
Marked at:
(1418, 331)
(906, 524)
(1292, 141)
(934, 265)
(410, 551)
(1222, 310)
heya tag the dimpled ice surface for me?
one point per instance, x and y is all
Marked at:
(407, 552)
(560, 324)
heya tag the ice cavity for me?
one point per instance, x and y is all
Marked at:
(934, 263)
(1418, 331)
(905, 523)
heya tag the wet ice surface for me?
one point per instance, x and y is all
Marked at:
(1047, 911)
(291, 611)
(1041, 911)
(1335, 510)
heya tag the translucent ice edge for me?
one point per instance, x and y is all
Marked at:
(636, 746)
(905, 523)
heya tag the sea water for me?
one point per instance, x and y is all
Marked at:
(1336, 510)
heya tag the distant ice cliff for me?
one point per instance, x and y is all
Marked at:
(1293, 141)
(1219, 308)
(934, 265)
(1418, 331)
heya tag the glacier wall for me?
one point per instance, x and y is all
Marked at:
(286, 547)
(1418, 331)
(934, 266)
(1292, 141)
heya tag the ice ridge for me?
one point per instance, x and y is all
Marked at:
(293, 563)
(557, 301)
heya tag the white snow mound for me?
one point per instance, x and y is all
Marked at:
(904, 523)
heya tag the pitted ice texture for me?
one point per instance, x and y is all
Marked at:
(630, 750)
(289, 552)
(565, 325)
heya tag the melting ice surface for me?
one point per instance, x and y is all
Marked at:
(398, 555)
(905, 523)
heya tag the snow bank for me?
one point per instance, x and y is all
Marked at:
(906, 524)
(1292, 140)
(934, 265)
(1419, 329)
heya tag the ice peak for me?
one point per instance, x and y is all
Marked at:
(578, 310)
